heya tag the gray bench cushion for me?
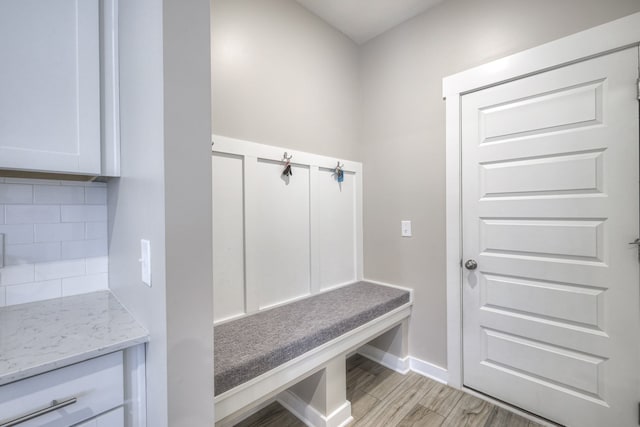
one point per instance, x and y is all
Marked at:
(250, 346)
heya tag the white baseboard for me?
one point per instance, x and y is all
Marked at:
(404, 365)
(385, 359)
(310, 416)
(429, 370)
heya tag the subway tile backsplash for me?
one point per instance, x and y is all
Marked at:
(59, 232)
(31, 253)
(31, 214)
(59, 195)
(55, 239)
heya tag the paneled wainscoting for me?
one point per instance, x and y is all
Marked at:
(308, 225)
(382, 397)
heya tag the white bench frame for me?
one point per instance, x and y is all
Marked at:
(331, 409)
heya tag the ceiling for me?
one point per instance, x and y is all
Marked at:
(362, 20)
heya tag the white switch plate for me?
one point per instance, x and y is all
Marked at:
(145, 261)
(405, 228)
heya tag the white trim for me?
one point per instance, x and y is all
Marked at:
(239, 147)
(453, 242)
(279, 379)
(404, 365)
(388, 360)
(310, 415)
(314, 229)
(110, 96)
(429, 370)
(135, 386)
(614, 35)
(88, 102)
(252, 224)
(359, 226)
(597, 41)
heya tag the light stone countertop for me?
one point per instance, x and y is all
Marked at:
(40, 336)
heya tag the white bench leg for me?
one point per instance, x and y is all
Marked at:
(321, 399)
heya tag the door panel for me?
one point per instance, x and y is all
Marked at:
(564, 108)
(543, 176)
(547, 238)
(543, 362)
(551, 316)
(543, 300)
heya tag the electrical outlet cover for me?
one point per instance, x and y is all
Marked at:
(145, 261)
(405, 228)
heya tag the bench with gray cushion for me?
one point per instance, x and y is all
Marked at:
(264, 353)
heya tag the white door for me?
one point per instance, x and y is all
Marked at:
(550, 203)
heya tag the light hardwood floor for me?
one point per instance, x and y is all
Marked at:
(381, 397)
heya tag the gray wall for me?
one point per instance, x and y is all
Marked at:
(136, 200)
(404, 132)
(281, 76)
(164, 195)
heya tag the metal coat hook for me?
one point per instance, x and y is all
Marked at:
(287, 165)
(339, 172)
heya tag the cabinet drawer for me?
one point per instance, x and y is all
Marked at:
(97, 386)
(114, 418)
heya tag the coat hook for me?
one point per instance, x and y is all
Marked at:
(287, 165)
(339, 172)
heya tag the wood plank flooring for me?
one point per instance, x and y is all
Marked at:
(381, 397)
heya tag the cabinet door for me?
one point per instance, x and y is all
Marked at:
(114, 418)
(50, 85)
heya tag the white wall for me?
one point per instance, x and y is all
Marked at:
(164, 195)
(281, 76)
(404, 132)
(188, 211)
(55, 239)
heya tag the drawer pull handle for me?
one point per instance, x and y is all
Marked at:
(55, 405)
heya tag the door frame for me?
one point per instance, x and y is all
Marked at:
(615, 35)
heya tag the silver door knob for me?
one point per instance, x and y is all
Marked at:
(471, 264)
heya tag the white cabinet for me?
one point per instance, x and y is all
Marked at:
(113, 418)
(56, 61)
(68, 395)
